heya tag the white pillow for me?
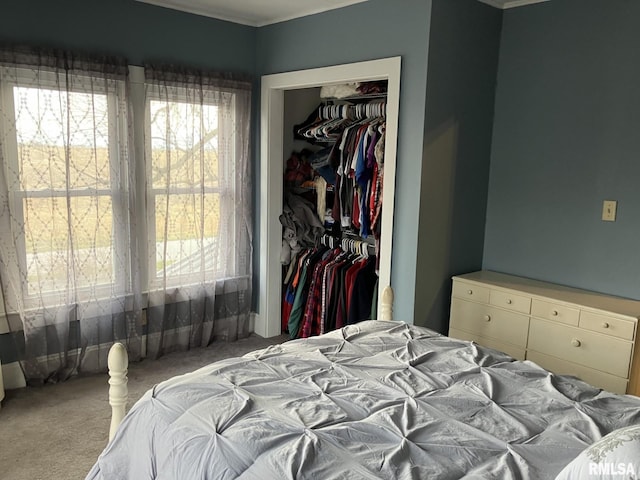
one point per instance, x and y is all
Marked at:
(614, 456)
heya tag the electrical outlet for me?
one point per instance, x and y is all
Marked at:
(609, 210)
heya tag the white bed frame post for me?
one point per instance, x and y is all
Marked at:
(118, 362)
(386, 304)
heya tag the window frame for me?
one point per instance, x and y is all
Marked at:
(21, 77)
(226, 169)
(127, 105)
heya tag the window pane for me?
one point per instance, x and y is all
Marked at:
(184, 144)
(62, 136)
(189, 230)
(50, 232)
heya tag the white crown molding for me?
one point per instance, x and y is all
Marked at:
(334, 6)
(504, 4)
(249, 20)
(204, 12)
(494, 3)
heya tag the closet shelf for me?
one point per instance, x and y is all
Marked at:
(355, 98)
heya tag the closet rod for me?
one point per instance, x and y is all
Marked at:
(350, 245)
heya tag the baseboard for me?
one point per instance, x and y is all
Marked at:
(253, 318)
(12, 376)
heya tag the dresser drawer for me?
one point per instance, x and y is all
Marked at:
(607, 325)
(555, 312)
(600, 352)
(512, 350)
(470, 291)
(517, 303)
(489, 322)
(594, 377)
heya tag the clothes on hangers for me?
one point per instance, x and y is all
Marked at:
(330, 120)
(359, 177)
(356, 160)
(330, 289)
(301, 291)
(330, 286)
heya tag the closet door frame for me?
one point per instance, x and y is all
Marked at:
(267, 321)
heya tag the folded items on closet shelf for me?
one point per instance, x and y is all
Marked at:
(341, 90)
(373, 87)
(354, 89)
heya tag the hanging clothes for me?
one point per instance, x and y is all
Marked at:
(302, 291)
(330, 289)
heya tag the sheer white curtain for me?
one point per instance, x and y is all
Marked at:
(67, 270)
(97, 246)
(198, 208)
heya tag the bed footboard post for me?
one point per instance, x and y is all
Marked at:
(118, 362)
(386, 311)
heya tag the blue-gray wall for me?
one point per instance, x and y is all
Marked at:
(137, 31)
(461, 81)
(567, 137)
(367, 31)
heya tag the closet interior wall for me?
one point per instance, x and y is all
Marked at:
(297, 106)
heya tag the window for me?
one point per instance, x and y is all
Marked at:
(66, 142)
(63, 150)
(124, 207)
(190, 168)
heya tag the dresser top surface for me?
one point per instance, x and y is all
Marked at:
(562, 293)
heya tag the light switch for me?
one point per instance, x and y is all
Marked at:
(609, 210)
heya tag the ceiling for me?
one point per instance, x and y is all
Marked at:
(258, 13)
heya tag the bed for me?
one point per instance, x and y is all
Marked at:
(378, 399)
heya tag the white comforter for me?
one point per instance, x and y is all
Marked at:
(373, 400)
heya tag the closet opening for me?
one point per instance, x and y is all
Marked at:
(287, 99)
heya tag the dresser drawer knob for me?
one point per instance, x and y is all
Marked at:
(487, 318)
(470, 292)
(605, 325)
(509, 302)
(575, 342)
(554, 313)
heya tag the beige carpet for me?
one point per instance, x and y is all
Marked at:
(56, 432)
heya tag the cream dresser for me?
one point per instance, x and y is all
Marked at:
(565, 330)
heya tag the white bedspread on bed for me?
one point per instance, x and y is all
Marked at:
(373, 400)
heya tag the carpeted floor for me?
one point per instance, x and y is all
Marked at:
(56, 432)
